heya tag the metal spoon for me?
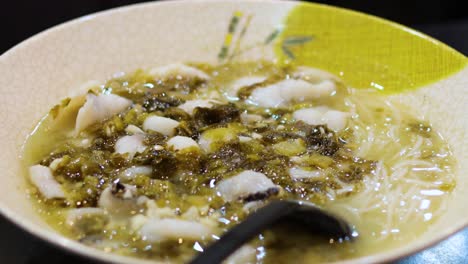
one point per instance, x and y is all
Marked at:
(289, 212)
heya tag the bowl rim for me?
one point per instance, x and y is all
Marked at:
(57, 240)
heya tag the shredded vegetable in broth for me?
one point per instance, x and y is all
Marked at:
(159, 163)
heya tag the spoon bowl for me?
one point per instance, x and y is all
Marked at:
(289, 213)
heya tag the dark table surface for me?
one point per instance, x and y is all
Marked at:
(16, 246)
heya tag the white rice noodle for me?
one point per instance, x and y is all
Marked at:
(381, 196)
(422, 184)
(393, 190)
(98, 108)
(366, 147)
(41, 177)
(415, 151)
(396, 113)
(346, 188)
(398, 174)
(412, 195)
(412, 163)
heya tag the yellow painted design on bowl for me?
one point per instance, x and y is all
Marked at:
(364, 50)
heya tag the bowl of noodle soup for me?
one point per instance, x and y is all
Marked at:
(359, 115)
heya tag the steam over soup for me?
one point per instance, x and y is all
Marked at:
(159, 163)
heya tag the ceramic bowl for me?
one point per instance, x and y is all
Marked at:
(363, 50)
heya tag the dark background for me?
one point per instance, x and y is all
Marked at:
(445, 20)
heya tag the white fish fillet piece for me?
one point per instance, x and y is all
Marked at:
(133, 171)
(132, 129)
(285, 91)
(130, 144)
(190, 105)
(178, 69)
(98, 108)
(335, 120)
(312, 75)
(117, 205)
(244, 255)
(181, 142)
(298, 173)
(235, 86)
(243, 184)
(155, 230)
(41, 177)
(76, 214)
(160, 124)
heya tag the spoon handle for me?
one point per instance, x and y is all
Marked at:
(244, 232)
